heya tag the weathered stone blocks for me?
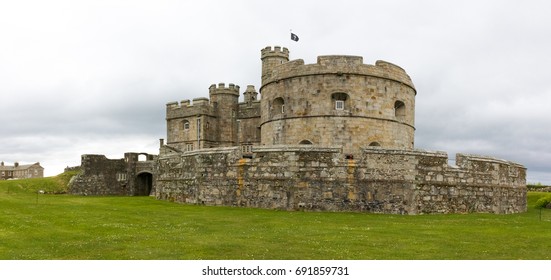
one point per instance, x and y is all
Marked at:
(322, 179)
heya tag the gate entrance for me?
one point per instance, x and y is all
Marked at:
(144, 183)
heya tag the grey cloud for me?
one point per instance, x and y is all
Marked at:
(86, 76)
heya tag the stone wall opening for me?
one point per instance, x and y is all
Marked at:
(400, 110)
(278, 106)
(142, 157)
(144, 183)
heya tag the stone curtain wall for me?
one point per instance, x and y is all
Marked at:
(98, 176)
(316, 178)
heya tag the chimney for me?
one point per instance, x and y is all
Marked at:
(2, 164)
(162, 142)
(16, 164)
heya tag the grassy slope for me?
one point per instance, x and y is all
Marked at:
(51, 226)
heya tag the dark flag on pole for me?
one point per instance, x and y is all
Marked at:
(294, 37)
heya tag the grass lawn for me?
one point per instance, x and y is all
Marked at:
(50, 226)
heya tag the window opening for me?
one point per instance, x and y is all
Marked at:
(339, 105)
(278, 106)
(340, 99)
(399, 110)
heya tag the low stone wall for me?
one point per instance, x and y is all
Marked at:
(98, 176)
(322, 178)
(539, 189)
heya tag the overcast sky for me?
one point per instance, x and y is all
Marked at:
(93, 77)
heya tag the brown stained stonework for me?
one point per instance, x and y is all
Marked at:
(322, 179)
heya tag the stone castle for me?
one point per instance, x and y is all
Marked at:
(337, 135)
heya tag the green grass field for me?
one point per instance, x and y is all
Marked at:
(58, 226)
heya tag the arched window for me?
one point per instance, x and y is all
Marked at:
(278, 107)
(399, 110)
(374, 144)
(305, 142)
(339, 99)
(185, 124)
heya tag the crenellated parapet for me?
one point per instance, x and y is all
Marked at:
(221, 88)
(187, 108)
(279, 67)
(276, 51)
(339, 65)
(203, 105)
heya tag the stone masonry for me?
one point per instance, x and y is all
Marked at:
(322, 179)
(336, 135)
(126, 176)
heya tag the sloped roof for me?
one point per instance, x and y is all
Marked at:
(19, 167)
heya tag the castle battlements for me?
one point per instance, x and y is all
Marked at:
(199, 106)
(335, 135)
(222, 89)
(275, 52)
(334, 64)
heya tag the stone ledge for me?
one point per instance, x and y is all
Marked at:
(296, 148)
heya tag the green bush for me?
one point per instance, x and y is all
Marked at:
(543, 201)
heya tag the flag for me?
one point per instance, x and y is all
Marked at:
(294, 37)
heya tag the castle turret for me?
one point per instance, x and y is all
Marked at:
(250, 94)
(272, 58)
(338, 101)
(225, 102)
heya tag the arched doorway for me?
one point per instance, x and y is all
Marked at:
(144, 183)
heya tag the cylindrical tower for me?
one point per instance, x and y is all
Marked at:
(272, 58)
(339, 101)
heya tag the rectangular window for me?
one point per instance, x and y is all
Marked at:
(339, 104)
(189, 147)
(247, 148)
(121, 177)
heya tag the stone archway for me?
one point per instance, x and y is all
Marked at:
(144, 183)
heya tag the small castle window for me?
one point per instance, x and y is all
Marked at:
(247, 148)
(399, 110)
(278, 106)
(340, 99)
(305, 142)
(121, 176)
(186, 125)
(339, 105)
(374, 144)
(189, 147)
